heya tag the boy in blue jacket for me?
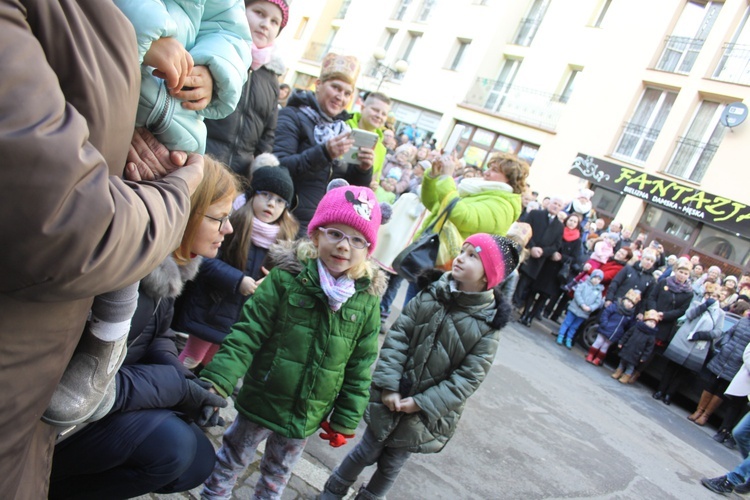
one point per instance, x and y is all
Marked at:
(614, 321)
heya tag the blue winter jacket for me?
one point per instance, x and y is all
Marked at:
(211, 303)
(613, 323)
(216, 34)
(589, 294)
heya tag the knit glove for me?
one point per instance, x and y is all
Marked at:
(196, 398)
(336, 438)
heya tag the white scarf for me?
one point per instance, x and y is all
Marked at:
(476, 185)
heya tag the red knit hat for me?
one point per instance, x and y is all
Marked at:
(353, 206)
(499, 256)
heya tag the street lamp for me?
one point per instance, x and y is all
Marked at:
(384, 70)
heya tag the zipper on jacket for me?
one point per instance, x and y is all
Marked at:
(238, 131)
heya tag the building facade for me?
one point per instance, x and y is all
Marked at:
(641, 101)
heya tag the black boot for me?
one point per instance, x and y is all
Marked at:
(720, 436)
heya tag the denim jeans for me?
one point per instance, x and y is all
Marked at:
(626, 367)
(238, 451)
(367, 452)
(394, 283)
(741, 433)
(570, 324)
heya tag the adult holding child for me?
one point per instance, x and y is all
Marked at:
(487, 204)
(147, 442)
(251, 129)
(68, 105)
(312, 136)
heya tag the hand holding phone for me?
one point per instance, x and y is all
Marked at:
(362, 139)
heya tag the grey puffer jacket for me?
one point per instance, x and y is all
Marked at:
(728, 361)
(438, 352)
(251, 129)
(692, 353)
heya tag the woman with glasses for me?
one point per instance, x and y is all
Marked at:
(147, 442)
(212, 302)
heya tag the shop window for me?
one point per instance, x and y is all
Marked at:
(640, 133)
(671, 224)
(724, 245)
(696, 149)
(606, 202)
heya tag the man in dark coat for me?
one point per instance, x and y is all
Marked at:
(312, 135)
(639, 276)
(546, 238)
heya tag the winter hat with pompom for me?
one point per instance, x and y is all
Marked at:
(499, 256)
(353, 206)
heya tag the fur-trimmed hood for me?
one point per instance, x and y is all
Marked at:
(285, 255)
(502, 306)
(168, 279)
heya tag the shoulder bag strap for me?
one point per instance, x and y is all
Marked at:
(444, 214)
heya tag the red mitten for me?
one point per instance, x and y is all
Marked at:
(336, 438)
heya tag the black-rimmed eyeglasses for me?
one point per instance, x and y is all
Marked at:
(221, 221)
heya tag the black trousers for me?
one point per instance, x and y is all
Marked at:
(673, 376)
(115, 458)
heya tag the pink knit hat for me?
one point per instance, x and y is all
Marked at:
(499, 256)
(353, 206)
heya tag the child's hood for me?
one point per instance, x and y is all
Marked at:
(642, 326)
(497, 315)
(284, 255)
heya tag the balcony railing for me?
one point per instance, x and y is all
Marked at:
(520, 104)
(316, 51)
(692, 158)
(734, 66)
(679, 54)
(526, 31)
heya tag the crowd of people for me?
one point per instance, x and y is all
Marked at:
(216, 226)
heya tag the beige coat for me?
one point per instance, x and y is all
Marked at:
(70, 228)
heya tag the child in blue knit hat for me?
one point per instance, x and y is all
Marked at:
(587, 299)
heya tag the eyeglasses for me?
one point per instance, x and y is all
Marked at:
(221, 221)
(269, 197)
(334, 236)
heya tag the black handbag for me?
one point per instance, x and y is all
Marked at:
(422, 254)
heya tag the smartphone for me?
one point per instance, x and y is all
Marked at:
(450, 146)
(362, 139)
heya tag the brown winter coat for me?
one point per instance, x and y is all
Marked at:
(70, 231)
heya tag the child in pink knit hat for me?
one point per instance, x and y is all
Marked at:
(450, 331)
(305, 344)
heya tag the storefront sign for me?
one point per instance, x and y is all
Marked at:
(723, 213)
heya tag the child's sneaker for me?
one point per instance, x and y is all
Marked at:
(560, 339)
(718, 484)
(569, 343)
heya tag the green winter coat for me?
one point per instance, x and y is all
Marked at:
(490, 211)
(439, 352)
(300, 360)
(379, 150)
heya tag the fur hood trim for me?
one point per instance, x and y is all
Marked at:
(284, 255)
(276, 65)
(168, 279)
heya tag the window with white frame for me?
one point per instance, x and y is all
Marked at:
(428, 7)
(569, 84)
(697, 147)
(457, 54)
(499, 91)
(387, 38)
(601, 12)
(401, 9)
(344, 8)
(529, 25)
(411, 42)
(686, 41)
(640, 133)
(734, 65)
